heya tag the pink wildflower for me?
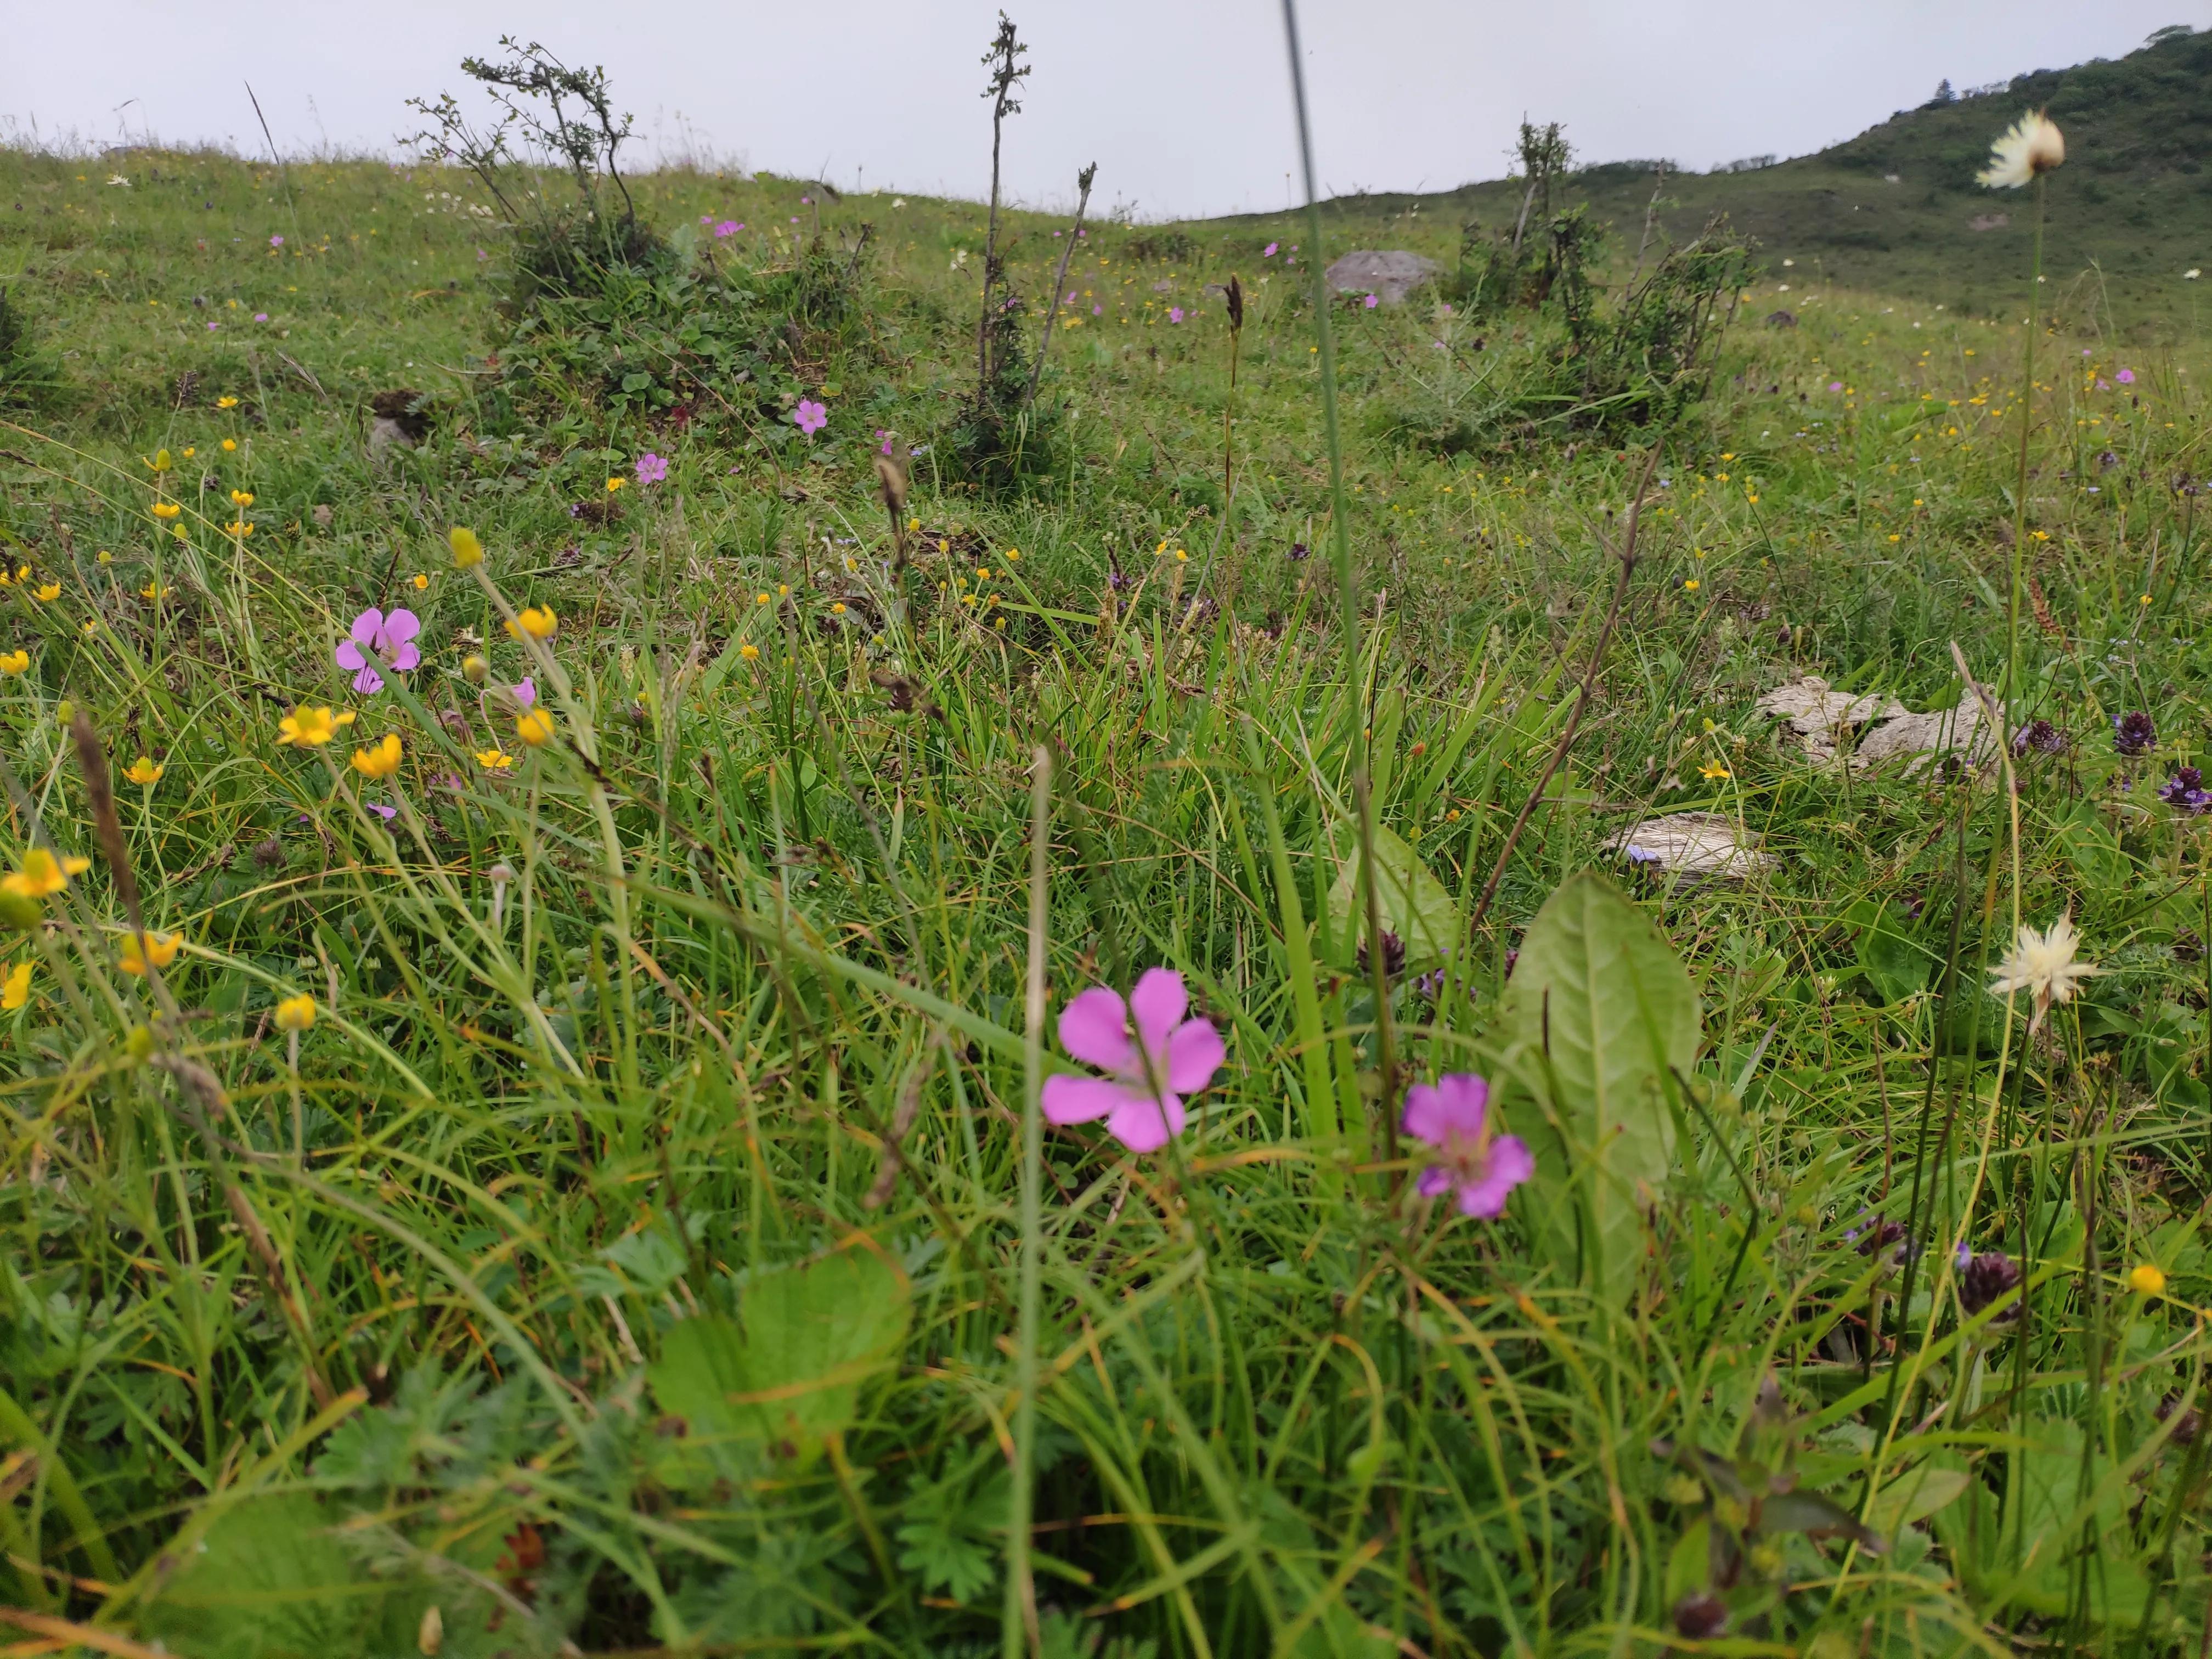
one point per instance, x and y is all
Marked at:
(1175, 314)
(811, 416)
(377, 643)
(727, 228)
(1269, 251)
(652, 468)
(275, 242)
(2125, 377)
(1453, 1118)
(526, 693)
(1152, 1066)
(1370, 302)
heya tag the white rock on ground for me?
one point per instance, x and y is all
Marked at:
(1691, 845)
(1822, 719)
(1389, 274)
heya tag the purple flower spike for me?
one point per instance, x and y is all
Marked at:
(1453, 1118)
(378, 643)
(2185, 791)
(2134, 732)
(1155, 1057)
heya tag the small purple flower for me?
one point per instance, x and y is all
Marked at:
(811, 416)
(2185, 791)
(213, 327)
(886, 438)
(482, 255)
(2039, 735)
(1098, 311)
(2133, 732)
(1175, 314)
(1962, 1255)
(1155, 1056)
(260, 316)
(652, 468)
(1983, 1278)
(1370, 302)
(1071, 298)
(387, 813)
(526, 693)
(377, 643)
(1835, 386)
(275, 242)
(2125, 377)
(727, 228)
(1453, 1118)
(706, 218)
(1269, 251)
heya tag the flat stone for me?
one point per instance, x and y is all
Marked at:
(1694, 846)
(1820, 718)
(1389, 274)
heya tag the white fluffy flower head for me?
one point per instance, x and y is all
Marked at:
(2033, 145)
(2043, 965)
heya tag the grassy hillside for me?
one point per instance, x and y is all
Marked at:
(1897, 208)
(558, 1163)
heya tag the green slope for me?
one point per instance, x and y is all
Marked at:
(1895, 209)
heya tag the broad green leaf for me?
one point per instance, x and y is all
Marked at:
(791, 1376)
(272, 1580)
(1893, 964)
(1602, 1009)
(1914, 1496)
(1415, 905)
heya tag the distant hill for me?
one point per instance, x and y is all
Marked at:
(1897, 208)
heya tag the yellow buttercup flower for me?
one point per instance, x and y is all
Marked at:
(467, 550)
(236, 528)
(539, 622)
(166, 510)
(379, 759)
(17, 989)
(309, 727)
(14, 662)
(144, 772)
(420, 580)
(493, 761)
(48, 593)
(160, 950)
(295, 1013)
(42, 875)
(230, 443)
(161, 463)
(1713, 772)
(226, 403)
(613, 484)
(190, 452)
(155, 592)
(242, 497)
(534, 726)
(2145, 1279)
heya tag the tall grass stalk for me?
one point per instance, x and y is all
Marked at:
(1019, 1627)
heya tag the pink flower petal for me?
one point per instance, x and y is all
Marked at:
(400, 626)
(1434, 1181)
(406, 656)
(526, 693)
(1094, 1028)
(1078, 1099)
(368, 680)
(1158, 1004)
(1454, 1105)
(350, 655)
(1195, 1054)
(367, 626)
(1509, 1166)
(1146, 1126)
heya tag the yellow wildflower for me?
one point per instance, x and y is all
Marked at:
(534, 726)
(613, 484)
(226, 403)
(17, 990)
(2145, 1279)
(467, 550)
(295, 1013)
(748, 652)
(379, 759)
(47, 593)
(421, 580)
(166, 510)
(310, 727)
(42, 875)
(144, 772)
(1713, 772)
(241, 497)
(539, 622)
(14, 662)
(160, 950)
(493, 761)
(161, 463)
(228, 443)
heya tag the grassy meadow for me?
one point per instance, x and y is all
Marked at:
(572, 1179)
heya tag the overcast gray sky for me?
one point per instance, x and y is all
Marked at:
(1185, 104)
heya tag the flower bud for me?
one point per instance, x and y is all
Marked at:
(475, 669)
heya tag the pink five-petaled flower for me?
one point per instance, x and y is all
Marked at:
(2125, 377)
(810, 416)
(1165, 1058)
(652, 468)
(378, 643)
(727, 228)
(1453, 1118)
(1269, 252)
(275, 242)
(1371, 301)
(1175, 314)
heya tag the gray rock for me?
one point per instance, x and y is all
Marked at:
(1389, 276)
